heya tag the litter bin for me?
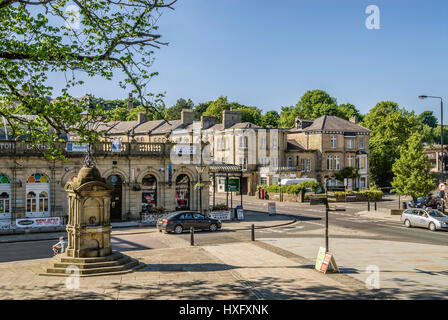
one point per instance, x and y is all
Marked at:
(404, 205)
(239, 212)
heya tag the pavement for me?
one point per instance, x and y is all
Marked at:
(243, 270)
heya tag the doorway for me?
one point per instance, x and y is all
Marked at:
(117, 194)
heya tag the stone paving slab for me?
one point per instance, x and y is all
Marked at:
(232, 271)
(401, 274)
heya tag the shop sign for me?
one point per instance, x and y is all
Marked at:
(38, 222)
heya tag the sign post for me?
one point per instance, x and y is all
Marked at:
(271, 208)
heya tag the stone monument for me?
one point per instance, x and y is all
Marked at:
(89, 250)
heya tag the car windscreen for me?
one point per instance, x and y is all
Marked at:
(435, 213)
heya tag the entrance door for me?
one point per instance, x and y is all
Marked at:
(182, 192)
(244, 186)
(116, 202)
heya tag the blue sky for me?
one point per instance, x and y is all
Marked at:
(269, 53)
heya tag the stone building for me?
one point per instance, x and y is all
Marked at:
(339, 143)
(141, 174)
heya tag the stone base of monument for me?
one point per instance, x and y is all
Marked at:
(116, 263)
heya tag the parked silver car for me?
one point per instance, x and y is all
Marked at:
(425, 218)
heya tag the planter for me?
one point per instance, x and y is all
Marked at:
(396, 212)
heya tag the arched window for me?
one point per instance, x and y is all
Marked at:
(37, 195)
(5, 197)
(43, 202)
(182, 192)
(149, 192)
(31, 201)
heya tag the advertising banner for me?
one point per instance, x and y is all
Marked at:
(38, 222)
(116, 145)
(221, 215)
(73, 147)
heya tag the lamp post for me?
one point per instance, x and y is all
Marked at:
(327, 249)
(441, 141)
(200, 168)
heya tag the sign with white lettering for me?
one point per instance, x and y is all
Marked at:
(73, 147)
(116, 145)
(221, 215)
(38, 222)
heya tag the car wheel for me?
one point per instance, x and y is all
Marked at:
(213, 227)
(407, 223)
(178, 229)
(432, 226)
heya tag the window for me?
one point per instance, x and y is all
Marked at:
(337, 163)
(263, 180)
(308, 165)
(31, 202)
(43, 202)
(334, 142)
(361, 143)
(275, 162)
(274, 143)
(350, 161)
(264, 161)
(330, 163)
(37, 195)
(349, 143)
(263, 141)
(243, 163)
(4, 202)
(243, 142)
(303, 165)
(289, 164)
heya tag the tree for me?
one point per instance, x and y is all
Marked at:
(347, 173)
(174, 112)
(270, 119)
(248, 113)
(412, 174)
(287, 117)
(348, 110)
(200, 109)
(112, 36)
(428, 118)
(216, 108)
(310, 103)
(390, 128)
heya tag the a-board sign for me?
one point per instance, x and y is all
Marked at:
(271, 208)
(328, 264)
(320, 258)
(240, 214)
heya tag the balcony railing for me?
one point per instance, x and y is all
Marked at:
(21, 148)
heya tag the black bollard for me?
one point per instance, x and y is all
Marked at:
(253, 232)
(192, 236)
(375, 205)
(368, 205)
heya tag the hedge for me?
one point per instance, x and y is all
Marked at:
(291, 189)
(372, 194)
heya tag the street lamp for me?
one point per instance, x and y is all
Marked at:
(200, 168)
(441, 139)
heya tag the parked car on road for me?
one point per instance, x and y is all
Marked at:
(429, 218)
(180, 221)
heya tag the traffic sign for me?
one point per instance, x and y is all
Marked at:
(442, 186)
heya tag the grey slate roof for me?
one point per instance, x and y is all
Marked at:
(333, 123)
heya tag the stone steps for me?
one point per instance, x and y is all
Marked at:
(121, 261)
(99, 274)
(116, 263)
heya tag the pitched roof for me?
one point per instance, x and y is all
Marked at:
(293, 145)
(148, 126)
(333, 123)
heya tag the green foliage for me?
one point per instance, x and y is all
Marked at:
(174, 112)
(216, 108)
(314, 104)
(371, 194)
(390, 128)
(428, 118)
(112, 37)
(347, 173)
(291, 189)
(271, 119)
(412, 175)
(248, 113)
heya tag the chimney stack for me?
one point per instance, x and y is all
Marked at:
(141, 117)
(230, 117)
(187, 116)
(130, 102)
(354, 119)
